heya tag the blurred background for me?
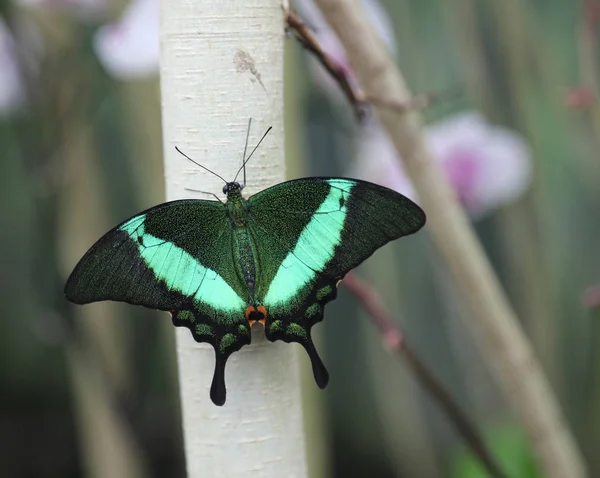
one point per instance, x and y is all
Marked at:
(92, 392)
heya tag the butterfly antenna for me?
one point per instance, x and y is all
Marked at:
(255, 148)
(245, 148)
(198, 164)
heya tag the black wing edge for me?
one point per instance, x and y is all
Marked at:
(70, 289)
(420, 215)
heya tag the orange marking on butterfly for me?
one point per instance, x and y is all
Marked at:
(260, 311)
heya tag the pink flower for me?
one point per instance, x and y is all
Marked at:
(591, 297)
(580, 97)
(21, 47)
(488, 166)
(12, 93)
(129, 48)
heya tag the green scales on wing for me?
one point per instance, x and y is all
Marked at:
(275, 258)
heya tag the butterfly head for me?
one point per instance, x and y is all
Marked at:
(232, 188)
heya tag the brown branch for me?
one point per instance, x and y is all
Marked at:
(417, 102)
(356, 97)
(307, 38)
(396, 342)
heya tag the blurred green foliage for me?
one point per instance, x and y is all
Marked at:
(510, 447)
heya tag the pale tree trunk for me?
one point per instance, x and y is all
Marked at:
(502, 341)
(221, 64)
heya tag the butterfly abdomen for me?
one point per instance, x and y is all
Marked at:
(246, 261)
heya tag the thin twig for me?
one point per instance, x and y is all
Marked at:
(307, 38)
(396, 342)
(357, 98)
(417, 102)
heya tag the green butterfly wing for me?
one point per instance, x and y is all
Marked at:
(308, 234)
(178, 257)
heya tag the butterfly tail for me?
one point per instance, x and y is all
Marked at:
(298, 331)
(218, 391)
(319, 371)
(225, 339)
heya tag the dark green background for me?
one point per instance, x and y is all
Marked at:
(86, 154)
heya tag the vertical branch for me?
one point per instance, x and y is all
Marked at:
(501, 340)
(222, 63)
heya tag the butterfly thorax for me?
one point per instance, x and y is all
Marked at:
(237, 208)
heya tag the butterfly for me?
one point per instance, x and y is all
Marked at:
(219, 267)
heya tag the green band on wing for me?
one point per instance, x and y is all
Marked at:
(315, 246)
(180, 271)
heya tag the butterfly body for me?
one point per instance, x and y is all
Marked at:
(237, 209)
(275, 258)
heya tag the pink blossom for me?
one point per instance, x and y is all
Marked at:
(580, 97)
(591, 297)
(488, 166)
(129, 48)
(12, 93)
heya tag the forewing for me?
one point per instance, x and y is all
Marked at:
(309, 233)
(179, 257)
